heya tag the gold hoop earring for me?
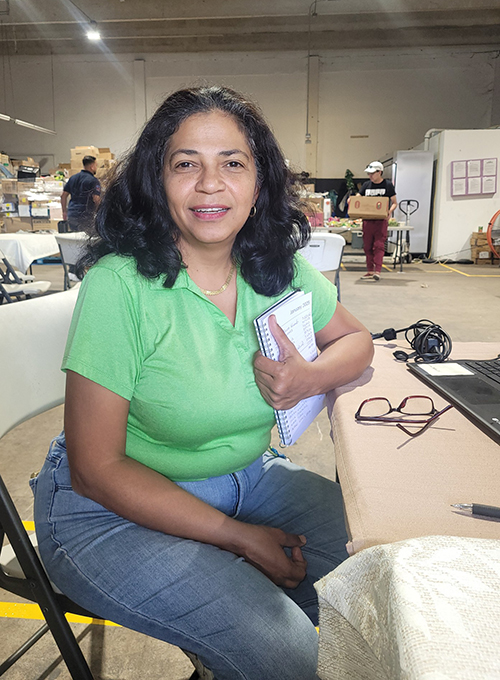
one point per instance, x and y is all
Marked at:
(253, 211)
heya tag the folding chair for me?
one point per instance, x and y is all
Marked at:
(324, 251)
(70, 246)
(16, 286)
(31, 386)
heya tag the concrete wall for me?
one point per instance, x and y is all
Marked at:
(370, 103)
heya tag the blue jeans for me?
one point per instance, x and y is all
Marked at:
(193, 595)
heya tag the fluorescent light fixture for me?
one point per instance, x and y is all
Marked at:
(31, 126)
(4, 117)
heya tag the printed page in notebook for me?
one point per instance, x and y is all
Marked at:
(294, 316)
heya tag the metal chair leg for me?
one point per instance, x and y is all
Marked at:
(23, 649)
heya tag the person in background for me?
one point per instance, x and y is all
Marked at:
(85, 191)
(160, 506)
(375, 231)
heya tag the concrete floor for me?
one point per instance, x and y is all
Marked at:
(463, 299)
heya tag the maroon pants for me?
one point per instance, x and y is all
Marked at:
(374, 236)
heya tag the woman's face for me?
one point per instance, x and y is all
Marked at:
(210, 179)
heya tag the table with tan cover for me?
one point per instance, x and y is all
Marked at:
(425, 608)
(419, 598)
(398, 487)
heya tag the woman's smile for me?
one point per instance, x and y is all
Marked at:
(210, 212)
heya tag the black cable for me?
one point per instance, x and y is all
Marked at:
(430, 343)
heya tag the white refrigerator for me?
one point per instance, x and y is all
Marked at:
(412, 175)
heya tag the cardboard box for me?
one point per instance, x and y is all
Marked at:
(478, 239)
(368, 207)
(315, 203)
(13, 224)
(44, 225)
(78, 152)
(53, 186)
(103, 167)
(9, 186)
(29, 162)
(480, 252)
(105, 154)
(490, 261)
(40, 209)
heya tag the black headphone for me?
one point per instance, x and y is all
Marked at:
(430, 343)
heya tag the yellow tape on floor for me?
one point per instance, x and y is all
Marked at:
(475, 276)
(16, 610)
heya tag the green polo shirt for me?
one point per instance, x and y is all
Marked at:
(195, 408)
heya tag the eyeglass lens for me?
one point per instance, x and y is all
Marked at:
(414, 406)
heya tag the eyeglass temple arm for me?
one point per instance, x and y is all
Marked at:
(427, 424)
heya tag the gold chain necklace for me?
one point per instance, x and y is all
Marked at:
(224, 285)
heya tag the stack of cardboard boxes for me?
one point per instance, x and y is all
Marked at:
(28, 204)
(480, 249)
(105, 159)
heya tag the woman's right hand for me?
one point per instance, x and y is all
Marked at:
(263, 547)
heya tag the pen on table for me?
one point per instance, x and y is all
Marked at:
(477, 509)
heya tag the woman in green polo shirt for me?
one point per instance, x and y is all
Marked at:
(160, 507)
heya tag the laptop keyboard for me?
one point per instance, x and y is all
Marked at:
(491, 369)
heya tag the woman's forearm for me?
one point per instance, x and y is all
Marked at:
(342, 361)
(144, 496)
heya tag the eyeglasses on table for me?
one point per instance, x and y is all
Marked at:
(413, 410)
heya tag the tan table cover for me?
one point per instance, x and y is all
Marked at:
(397, 487)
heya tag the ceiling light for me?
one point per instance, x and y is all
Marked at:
(4, 117)
(92, 32)
(32, 126)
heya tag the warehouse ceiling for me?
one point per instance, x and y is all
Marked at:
(140, 26)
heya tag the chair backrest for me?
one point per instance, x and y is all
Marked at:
(71, 245)
(7, 272)
(324, 251)
(32, 339)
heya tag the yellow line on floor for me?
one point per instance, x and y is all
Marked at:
(478, 276)
(16, 610)
(29, 526)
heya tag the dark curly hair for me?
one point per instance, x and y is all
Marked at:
(134, 218)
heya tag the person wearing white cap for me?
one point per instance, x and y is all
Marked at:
(375, 231)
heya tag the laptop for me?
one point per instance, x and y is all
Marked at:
(472, 386)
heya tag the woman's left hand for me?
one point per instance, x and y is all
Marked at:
(285, 382)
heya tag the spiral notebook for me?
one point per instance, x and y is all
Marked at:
(294, 315)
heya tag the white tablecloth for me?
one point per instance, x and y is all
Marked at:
(22, 249)
(425, 608)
